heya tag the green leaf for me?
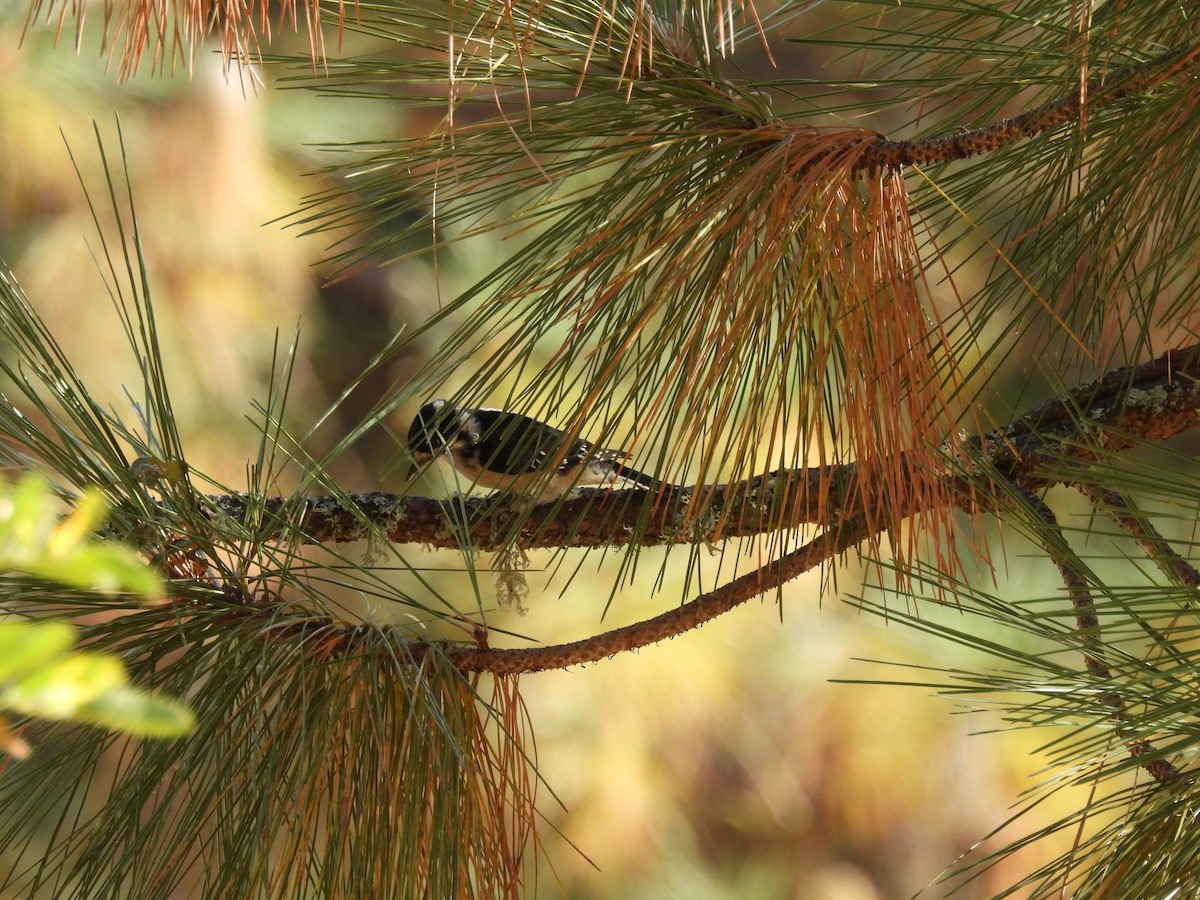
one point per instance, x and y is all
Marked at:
(34, 541)
(26, 520)
(25, 646)
(138, 712)
(76, 528)
(58, 690)
(106, 568)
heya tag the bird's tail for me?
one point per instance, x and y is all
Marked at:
(631, 474)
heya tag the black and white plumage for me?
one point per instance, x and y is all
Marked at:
(509, 451)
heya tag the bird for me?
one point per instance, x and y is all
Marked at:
(509, 451)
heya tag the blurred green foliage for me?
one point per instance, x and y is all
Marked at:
(41, 675)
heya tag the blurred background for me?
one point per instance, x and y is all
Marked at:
(737, 761)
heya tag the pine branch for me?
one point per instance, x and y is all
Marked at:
(1096, 94)
(1150, 402)
(1161, 553)
(340, 639)
(1079, 586)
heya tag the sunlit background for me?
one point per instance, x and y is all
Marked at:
(738, 761)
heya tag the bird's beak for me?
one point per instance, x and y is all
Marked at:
(408, 470)
(411, 467)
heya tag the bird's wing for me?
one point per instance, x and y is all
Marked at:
(506, 445)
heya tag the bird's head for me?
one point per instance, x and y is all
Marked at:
(434, 430)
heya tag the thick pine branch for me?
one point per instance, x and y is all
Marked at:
(1150, 402)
